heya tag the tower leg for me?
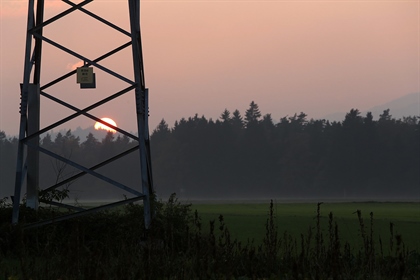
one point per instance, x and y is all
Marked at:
(23, 113)
(33, 154)
(141, 109)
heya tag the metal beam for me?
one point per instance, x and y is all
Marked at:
(84, 58)
(140, 92)
(62, 205)
(87, 64)
(33, 154)
(87, 170)
(60, 15)
(99, 18)
(78, 175)
(85, 212)
(82, 112)
(23, 112)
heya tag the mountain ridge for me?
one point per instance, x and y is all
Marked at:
(404, 106)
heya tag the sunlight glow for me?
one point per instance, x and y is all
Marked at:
(99, 125)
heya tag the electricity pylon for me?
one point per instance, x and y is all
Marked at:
(31, 92)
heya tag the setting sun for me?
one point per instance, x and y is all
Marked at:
(99, 125)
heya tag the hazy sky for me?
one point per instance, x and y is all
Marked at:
(318, 57)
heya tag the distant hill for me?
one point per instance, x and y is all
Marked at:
(82, 133)
(408, 105)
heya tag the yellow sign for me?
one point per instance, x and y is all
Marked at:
(85, 75)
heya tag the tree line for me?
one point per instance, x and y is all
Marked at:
(251, 156)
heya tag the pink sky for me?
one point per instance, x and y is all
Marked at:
(318, 57)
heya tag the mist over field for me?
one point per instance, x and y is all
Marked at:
(245, 157)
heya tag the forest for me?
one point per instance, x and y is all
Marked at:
(247, 156)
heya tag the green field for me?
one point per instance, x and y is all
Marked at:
(247, 220)
(108, 245)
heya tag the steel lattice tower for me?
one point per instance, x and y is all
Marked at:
(31, 92)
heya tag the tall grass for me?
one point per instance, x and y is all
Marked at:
(114, 245)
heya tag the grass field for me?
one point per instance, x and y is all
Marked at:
(109, 245)
(247, 220)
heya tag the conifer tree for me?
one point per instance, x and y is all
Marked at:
(253, 114)
(237, 120)
(162, 128)
(225, 116)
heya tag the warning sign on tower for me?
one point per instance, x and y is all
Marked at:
(85, 75)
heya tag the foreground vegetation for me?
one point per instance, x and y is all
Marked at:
(180, 245)
(247, 219)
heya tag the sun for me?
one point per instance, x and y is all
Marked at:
(99, 125)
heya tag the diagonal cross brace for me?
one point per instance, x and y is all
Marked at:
(85, 212)
(98, 18)
(82, 112)
(78, 175)
(81, 57)
(87, 170)
(60, 15)
(65, 76)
